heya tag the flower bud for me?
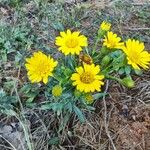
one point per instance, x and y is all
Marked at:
(104, 51)
(57, 90)
(85, 58)
(89, 99)
(67, 72)
(105, 61)
(77, 93)
(128, 82)
(105, 26)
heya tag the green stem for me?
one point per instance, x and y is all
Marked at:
(87, 51)
(56, 78)
(113, 78)
(98, 57)
(113, 64)
(108, 67)
(95, 46)
(99, 36)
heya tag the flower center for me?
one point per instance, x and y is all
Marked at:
(42, 68)
(87, 77)
(112, 43)
(72, 43)
(135, 57)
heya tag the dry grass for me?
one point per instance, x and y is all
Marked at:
(125, 124)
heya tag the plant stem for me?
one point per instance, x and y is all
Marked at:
(56, 78)
(95, 46)
(22, 119)
(113, 78)
(86, 49)
(99, 36)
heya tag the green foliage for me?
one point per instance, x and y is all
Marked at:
(54, 141)
(6, 102)
(13, 40)
(30, 92)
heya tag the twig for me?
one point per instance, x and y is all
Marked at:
(136, 29)
(8, 142)
(6, 147)
(89, 143)
(105, 119)
(23, 119)
(134, 4)
(139, 4)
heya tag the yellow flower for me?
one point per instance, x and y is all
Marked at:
(57, 90)
(89, 99)
(71, 43)
(136, 55)
(87, 79)
(105, 26)
(112, 41)
(40, 67)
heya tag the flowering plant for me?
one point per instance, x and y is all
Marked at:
(76, 81)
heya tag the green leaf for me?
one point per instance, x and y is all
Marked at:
(9, 112)
(54, 141)
(58, 26)
(90, 108)
(79, 113)
(99, 95)
(57, 107)
(18, 57)
(64, 122)
(47, 106)
(69, 107)
(8, 47)
(138, 72)
(31, 95)
(121, 71)
(2, 93)
(67, 72)
(25, 88)
(127, 70)
(31, 105)
(30, 100)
